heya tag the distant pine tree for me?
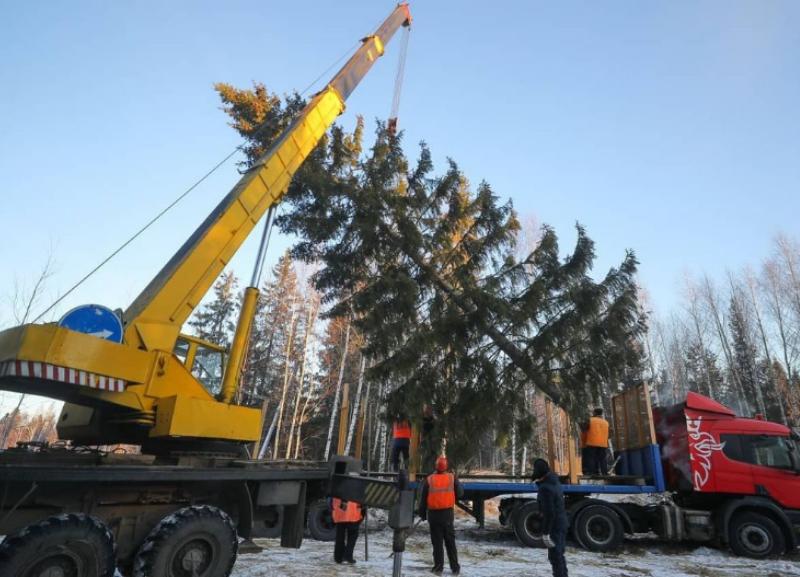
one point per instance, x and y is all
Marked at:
(744, 367)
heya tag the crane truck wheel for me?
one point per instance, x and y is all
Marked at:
(197, 541)
(70, 545)
(320, 521)
(527, 523)
(599, 528)
(754, 535)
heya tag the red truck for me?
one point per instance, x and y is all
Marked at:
(706, 476)
(742, 474)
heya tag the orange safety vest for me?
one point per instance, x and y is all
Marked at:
(401, 430)
(597, 435)
(441, 491)
(351, 514)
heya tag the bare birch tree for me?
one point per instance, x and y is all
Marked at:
(335, 409)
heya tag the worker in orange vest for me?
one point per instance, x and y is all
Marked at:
(584, 453)
(596, 445)
(347, 516)
(401, 441)
(439, 493)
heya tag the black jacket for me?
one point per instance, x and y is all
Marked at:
(423, 501)
(551, 504)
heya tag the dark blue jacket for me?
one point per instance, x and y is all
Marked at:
(551, 504)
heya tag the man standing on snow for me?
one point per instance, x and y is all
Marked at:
(554, 517)
(347, 517)
(439, 493)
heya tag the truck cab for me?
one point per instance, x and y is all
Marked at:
(745, 470)
(734, 455)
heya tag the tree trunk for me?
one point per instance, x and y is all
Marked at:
(287, 364)
(356, 405)
(263, 451)
(751, 282)
(514, 449)
(711, 300)
(517, 356)
(338, 389)
(311, 319)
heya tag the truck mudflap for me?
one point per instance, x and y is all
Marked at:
(761, 505)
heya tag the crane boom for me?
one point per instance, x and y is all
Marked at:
(153, 321)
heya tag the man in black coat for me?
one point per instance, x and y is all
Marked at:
(554, 517)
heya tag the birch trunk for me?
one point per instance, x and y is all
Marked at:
(263, 451)
(311, 319)
(513, 450)
(287, 364)
(338, 390)
(711, 300)
(356, 405)
(751, 285)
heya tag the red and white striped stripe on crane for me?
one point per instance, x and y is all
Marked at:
(33, 369)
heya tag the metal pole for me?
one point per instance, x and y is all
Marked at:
(262, 248)
(366, 534)
(397, 568)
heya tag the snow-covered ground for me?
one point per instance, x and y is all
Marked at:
(494, 552)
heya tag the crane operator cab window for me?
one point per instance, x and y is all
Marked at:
(206, 361)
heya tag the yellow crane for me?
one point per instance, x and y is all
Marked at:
(151, 387)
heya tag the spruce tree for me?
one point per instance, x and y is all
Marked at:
(426, 264)
(744, 360)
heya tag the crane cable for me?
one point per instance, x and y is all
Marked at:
(398, 80)
(180, 197)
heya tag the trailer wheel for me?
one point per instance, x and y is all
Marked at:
(320, 521)
(71, 545)
(527, 523)
(196, 541)
(271, 526)
(599, 528)
(755, 535)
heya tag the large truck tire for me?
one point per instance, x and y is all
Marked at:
(527, 523)
(320, 521)
(72, 545)
(755, 535)
(197, 541)
(598, 528)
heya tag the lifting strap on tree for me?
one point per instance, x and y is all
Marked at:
(391, 125)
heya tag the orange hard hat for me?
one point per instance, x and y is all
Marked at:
(441, 464)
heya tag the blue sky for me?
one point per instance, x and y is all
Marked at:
(667, 127)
